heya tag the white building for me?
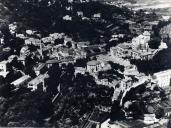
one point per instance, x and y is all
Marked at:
(32, 41)
(163, 78)
(38, 82)
(80, 70)
(141, 42)
(3, 68)
(21, 81)
(13, 28)
(93, 66)
(149, 118)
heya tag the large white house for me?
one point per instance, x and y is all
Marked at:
(163, 78)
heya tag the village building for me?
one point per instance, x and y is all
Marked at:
(32, 41)
(163, 78)
(80, 70)
(13, 28)
(2, 40)
(66, 61)
(96, 16)
(121, 51)
(107, 82)
(47, 40)
(141, 42)
(80, 13)
(30, 32)
(38, 83)
(24, 51)
(4, 68)
(21, 36)
(131, 70)
(80, 54)
(93, 66)
(56, 36)
(22, 81)
(22, 59)
(40, 68)
(143, 55)
(134, 27)
(83, 44)
(67, 17)
(149, 119)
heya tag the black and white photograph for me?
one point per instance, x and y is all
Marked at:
(85, 63)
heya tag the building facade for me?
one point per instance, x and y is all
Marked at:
(163, 78)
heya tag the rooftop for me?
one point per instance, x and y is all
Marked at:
(21, 80)
(38, 79)
(93, 63)
(124, 46)
(40, 66)
(80, 68)
(4, 62)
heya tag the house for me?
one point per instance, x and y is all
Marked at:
(40, 68)
(80, 70)
(24, 51)
(32, 41)
(21, 36)
(163, 78)
(121, 50)
(67, 17)
(55, 36)
(80, 13)
(3, 68)
(30, 32)
(80, 54)
(131, 70)
(38, 83)
(49, 63)
(22, 59)
(143, 55)
(66, 60)
(149, 118)
(47, 40)
(135, 28)
(13, 28)
(141, 42)
(83, 44)
(96, 16)
(2, 40)
(93, 66)
(94, 50)
(22, 81)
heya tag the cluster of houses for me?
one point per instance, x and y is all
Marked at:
(55, 48)
(27, 81)
(137, 49)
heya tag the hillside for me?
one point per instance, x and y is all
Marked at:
(48, 19)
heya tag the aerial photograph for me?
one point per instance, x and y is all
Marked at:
(85, 63)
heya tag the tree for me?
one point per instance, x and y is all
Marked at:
(159, 113)
(116, 113)
(6, 90)
(29, 64)
(27, 109)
